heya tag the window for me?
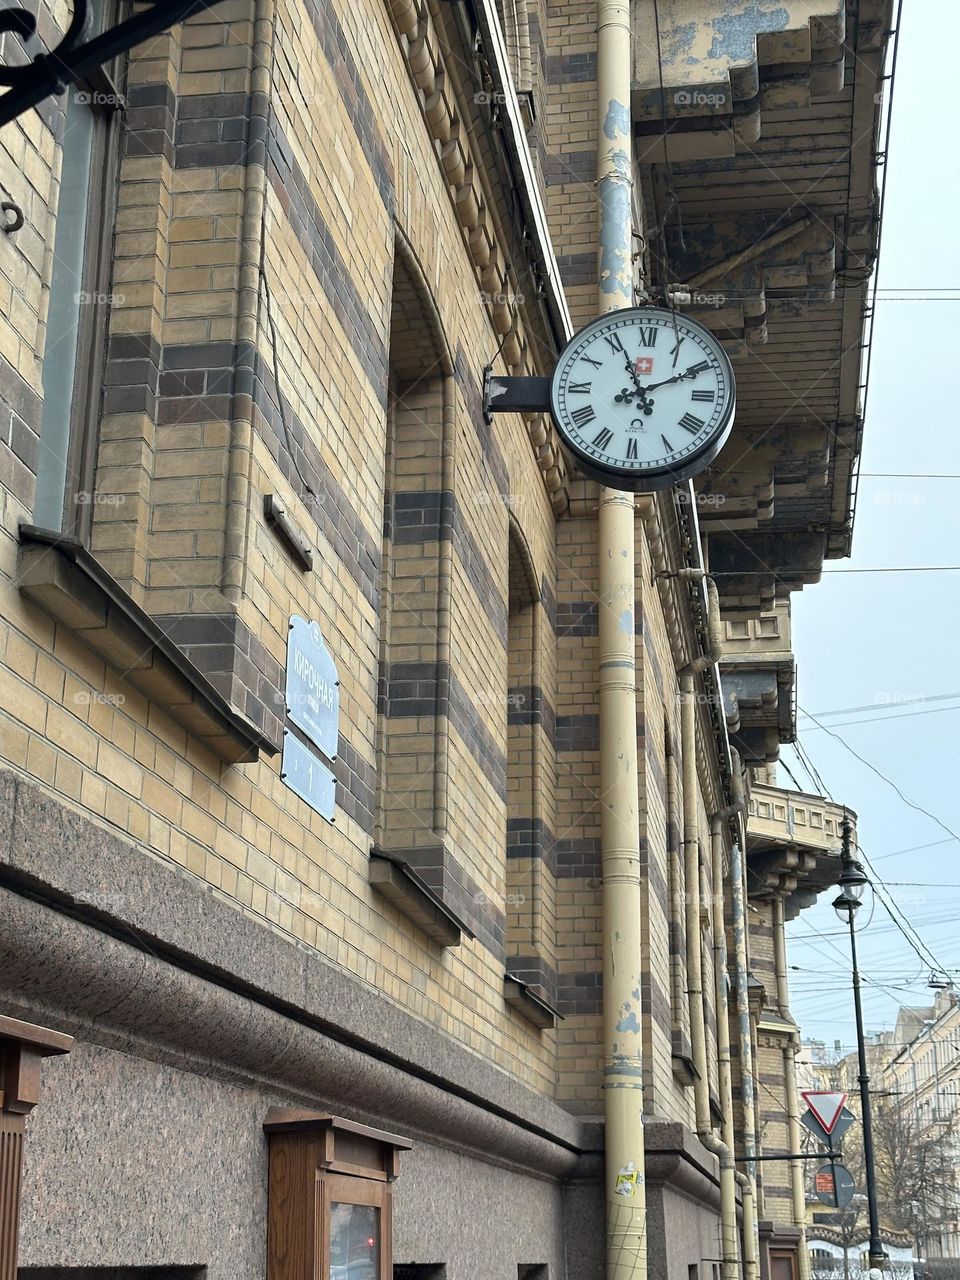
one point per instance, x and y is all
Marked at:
(420, 1271)
(355, 1243)
(78, 305)
(533, 1271)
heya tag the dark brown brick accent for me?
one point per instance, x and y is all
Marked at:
(333, 40)
(578, 733)
(150, 121)
(535, 972)
(579, 994)
(570, 168)
(411, 689)
(219, 129)
(579, 857)
(132, 375)
(438, 868)
(655, 1001)
(571, 68)
(432, 516)
(307, 223)
(577, 618)
(235, 662)
(21, 410)
(532, 838)
(577, 268)
(548, 600)
(329, 504)
(19, 397)
(356, 785)
(196, 382)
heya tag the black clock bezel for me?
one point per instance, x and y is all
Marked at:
(650, 478)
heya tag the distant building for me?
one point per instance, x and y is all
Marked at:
(924, 1079)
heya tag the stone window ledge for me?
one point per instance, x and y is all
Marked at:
(530, 1002)
(400, 884)
(61, 577)
(681, 1058)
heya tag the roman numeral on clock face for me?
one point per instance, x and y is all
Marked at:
(584, 415)
(614, 341)
(667, 445)
(698, 368)
(648, 337)
(705, 397)
(596, 363)
(632, 449)
(580, 388)
(602, 439)
(691, 424)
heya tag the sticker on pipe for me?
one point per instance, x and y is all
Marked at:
(627, 1180)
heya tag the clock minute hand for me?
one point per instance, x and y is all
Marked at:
(688, 374)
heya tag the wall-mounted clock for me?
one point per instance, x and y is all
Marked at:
(642, 398)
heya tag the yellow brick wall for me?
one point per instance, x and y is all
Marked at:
(189, 536)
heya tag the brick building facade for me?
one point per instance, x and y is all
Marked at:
(243, 333)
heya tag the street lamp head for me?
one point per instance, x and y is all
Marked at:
(853, 880)
(846, 906)
(852, 883)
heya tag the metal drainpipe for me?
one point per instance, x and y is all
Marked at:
(694, 947)
(790, 1079)
(625, 1186)
(725, 1069)
(751, 1243)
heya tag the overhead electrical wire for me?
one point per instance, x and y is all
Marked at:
(879, 706)
(883, 777)
(913, 848)
(896, 915)
(845, 724)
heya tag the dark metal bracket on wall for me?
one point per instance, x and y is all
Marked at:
(49, 73)
(502, 394)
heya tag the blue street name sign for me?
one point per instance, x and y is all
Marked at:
(307, 775)
(313, 691)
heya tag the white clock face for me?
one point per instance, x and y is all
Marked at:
(643, 397)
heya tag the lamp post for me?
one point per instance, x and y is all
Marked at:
(852, 883)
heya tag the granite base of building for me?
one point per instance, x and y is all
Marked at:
(192, 1020)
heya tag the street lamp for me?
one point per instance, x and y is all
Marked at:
(852, 883)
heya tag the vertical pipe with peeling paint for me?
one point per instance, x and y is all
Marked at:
(747, 1091)
(790, 1082)
(619, 776)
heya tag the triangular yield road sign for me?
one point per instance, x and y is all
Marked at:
(825, 1106)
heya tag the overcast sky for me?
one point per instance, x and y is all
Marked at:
(878, 639)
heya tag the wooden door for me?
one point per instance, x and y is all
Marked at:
(783, 1264)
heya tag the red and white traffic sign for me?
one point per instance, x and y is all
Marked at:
(825, 1106)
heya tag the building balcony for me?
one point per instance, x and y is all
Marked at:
(758, 673)
(793, 845)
